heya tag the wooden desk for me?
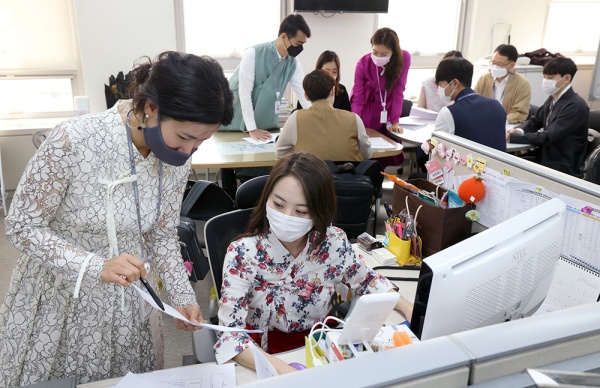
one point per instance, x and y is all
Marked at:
(209, 155)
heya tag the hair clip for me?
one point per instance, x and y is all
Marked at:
(143, 123)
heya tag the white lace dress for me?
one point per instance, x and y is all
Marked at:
(58, 220)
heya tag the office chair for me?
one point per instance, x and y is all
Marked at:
(249, 192)
(532, 110)
(409, 149)
(594, 120)
(39, 136)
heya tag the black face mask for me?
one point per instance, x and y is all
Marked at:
(293, 51)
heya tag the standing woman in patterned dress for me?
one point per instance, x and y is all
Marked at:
(281, 275)
(96, 210)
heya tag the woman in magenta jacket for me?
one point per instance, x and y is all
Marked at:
(379, 81)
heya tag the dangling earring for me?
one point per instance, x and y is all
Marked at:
(143, 123)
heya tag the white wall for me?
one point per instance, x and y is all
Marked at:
(114, 33)
(346, 34)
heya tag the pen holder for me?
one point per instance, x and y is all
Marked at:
(400, 248)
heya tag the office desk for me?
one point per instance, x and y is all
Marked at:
(209, 155)
(245, 375)
(415, 137)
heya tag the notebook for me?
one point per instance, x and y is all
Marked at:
(575, 283)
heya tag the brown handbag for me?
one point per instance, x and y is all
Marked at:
(437, 227)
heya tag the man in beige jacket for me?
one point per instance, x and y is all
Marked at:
(507, 86)
(329, 133)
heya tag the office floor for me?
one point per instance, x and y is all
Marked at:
(177, 343)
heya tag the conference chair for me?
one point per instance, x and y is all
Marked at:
(594, 120)
(249, 192)
(202, 201)
(532, 110)
(409, 149)
(39, 136)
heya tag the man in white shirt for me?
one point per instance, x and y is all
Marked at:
(259, 82)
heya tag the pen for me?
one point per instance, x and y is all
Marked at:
(152, 293)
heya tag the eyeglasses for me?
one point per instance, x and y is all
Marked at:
(492, 63)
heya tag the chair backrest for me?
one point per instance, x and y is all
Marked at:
(218, 234)
(532, 110)
(39, 136)
(204, 199)
(249, 192)
(406, 107)
(594, 121)
(593, 143)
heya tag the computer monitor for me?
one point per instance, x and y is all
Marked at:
(500, 274)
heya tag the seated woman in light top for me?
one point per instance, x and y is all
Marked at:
(281, 275)
(429, 97)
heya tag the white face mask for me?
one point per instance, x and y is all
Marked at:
(380, 61)
(442, 94)
(549, 86)
(287, 228)
(498, 72)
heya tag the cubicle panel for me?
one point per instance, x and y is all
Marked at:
(518, 168)
(437, 362)
(510, 347)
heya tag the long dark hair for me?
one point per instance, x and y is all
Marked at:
(326, 57)
(389, 38)
(316, 181)
(184, 87)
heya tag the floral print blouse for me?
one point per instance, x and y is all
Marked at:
(265, 287)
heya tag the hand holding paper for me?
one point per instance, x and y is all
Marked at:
(176, 314)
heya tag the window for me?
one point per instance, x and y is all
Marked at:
(426, 38)
(572, 27)
(224, 29)
(38, 59)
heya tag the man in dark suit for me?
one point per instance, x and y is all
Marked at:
(472, 116)
(560, 126)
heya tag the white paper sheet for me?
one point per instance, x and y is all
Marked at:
(264, 369)
(423, 113)
(273, 139)
(379, 143)
(525, 196)
(196, 376)
(176, 314)
(582, 231)
(494, 205)
(244, 147)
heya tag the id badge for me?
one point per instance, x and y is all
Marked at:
(277, 107)
(383, 118)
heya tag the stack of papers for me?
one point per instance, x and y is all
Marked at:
(379, 143)
(411, 123)
(423, 113)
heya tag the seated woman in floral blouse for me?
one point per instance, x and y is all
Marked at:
(280, 276)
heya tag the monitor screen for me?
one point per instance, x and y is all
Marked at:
(365, 6)
(500, 274)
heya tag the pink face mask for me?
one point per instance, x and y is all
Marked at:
(380, 61)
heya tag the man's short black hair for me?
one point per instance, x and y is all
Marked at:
(562, 66)
(509, 51)
(455, 68)
(318, 85)
(292, 24)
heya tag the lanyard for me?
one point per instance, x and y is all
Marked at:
(494, 91)
(285, 61)
(137, 194)
(467, 95)
(549, 113)
(382, 97)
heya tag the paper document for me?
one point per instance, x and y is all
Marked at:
(264, 369)
(423, 113)
(176, 314)
(411, 123)
(202, 375)
(273, 139)
(379, 143)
